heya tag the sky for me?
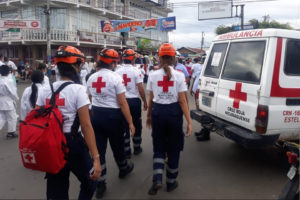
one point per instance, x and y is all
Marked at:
(188, 28)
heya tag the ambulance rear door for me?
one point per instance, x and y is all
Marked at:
(209, 79)
(240, 82)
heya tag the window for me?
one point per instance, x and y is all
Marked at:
(292, 58)
(215, 61)
(10, 14)
(244, 61)
(58, 18)
(26, 12)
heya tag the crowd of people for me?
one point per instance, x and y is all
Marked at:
(106, 99)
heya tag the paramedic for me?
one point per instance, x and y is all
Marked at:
(73, 102)
(30, 94)
(109, 105)
(43, 68)
(8, 98)
(133, 81)
(167, 103)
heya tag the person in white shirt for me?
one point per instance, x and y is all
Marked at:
(8, 98)
(167, 104)
(43, 68)
(83, 73)
(73, 102)
(196, 68)
(109, 107)
(30, 94)
(133, 81)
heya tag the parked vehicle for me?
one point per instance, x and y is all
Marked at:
(250, 87)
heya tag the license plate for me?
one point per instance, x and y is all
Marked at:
(292, 172)
(206, 101)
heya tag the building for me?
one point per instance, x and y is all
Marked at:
(191, 52)
(77, 23)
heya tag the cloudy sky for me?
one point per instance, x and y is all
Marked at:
(188, 32)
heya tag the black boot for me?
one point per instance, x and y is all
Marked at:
(101, 188)
(172, 187)
(125, 172)
(137, 151)
(154, 188)
(204, 135)
(11, 135)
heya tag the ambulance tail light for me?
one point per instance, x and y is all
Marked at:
(262, 118)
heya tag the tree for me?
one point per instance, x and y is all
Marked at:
(256, 24)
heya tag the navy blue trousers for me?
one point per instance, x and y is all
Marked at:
(168, 138)
(80, 163)
(108, 126)
(135, 105)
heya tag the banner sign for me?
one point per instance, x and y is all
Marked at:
(144, 43)
(22, 24)
(160, 24)
(214, 10)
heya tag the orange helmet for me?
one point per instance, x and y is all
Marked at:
(128, 54)
(68, 54)
(108, 56)
(166, 49)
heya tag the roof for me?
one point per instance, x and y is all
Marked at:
(194, 50)
(259, 33)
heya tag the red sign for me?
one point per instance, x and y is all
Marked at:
(22, 24)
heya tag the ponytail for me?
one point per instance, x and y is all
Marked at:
(167, 71)
(165, 63)
(33, 96)
(36, 77)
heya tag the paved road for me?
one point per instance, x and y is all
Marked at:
(218, 169)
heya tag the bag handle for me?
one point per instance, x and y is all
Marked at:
(52, 99)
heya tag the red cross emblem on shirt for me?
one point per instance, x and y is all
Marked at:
(126, 80)
(165, 83)
(237, 95)
(99, 85)
(58, 101)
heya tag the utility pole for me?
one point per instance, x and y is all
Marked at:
(242, 17)
(47, 12)
(202, 40)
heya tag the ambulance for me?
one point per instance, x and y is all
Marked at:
(250, 87)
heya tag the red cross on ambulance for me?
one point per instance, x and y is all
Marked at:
(237, 95)
(99, 85)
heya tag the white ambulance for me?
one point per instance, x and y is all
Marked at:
(250, 87)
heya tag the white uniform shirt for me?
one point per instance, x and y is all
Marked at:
(8, 93)
(104, 86)
(26, 107)
(131, 77)
(12, 65)
(83, 73)
(45, 81)
(91, 66)
(196, 67)
(164, 91)
(70, 99)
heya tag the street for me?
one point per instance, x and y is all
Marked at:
(217, 169)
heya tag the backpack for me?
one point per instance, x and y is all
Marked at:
(42, 143)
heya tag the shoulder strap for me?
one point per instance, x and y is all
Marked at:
(52, 100)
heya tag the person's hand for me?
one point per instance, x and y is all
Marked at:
(132, 129)
(97, 169)
(191, 92)
(188, 129)
(149, 123)
(145, 106)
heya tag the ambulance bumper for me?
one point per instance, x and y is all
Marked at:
(244, 137)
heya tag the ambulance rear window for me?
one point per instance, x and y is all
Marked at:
(244, 61)
(215, 61)
(292, 58)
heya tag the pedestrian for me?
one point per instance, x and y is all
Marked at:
(196, 68)
(43, 68)
(1, 59)
(8, 98)
(180, 67)
(30, 94)
(73, 102)
(109, 105)
(12, 66)
(83, 73)
(166, 106)
(91, 65)
(133, 81)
